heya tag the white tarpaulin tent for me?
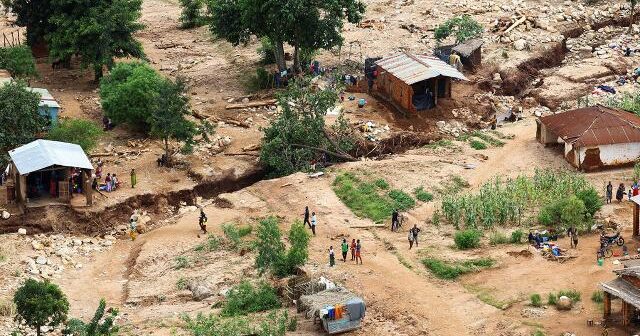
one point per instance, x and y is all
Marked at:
(42, 154)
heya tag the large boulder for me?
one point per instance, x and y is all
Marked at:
(199, 290)
(564, 303)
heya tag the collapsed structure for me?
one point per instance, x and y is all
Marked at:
(626, 288)
(46, 170)
(414, 82)
(593, 137)
(470, 53)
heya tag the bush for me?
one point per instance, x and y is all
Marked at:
(245, 298)
(463, 27)
(271, 251)
(597, 297)
(517, 236)
(181, 284)
(78, 131)
(181, 262)
(467, 239)
(591, 200)
(536, 300)
(402, 200)
(260, 81)
(570, 293)
(18, 61)
(497, 238)
(452, 270)
(477, 144)
(191, 14)
(100, 325)
(297, 254)
(232, 234)
(266, 51)
(422, 195)
(382, 184)
(552, 299)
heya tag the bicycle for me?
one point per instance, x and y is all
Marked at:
(604, 252)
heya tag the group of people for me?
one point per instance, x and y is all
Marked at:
(356, 252)
(621, 191)
(111, 181)
(396, 223)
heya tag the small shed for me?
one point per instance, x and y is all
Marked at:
(593, 137)
(337, 309)
(470, 53)
(43, 171)
(414, 82)
(48, 107)
(626, 288)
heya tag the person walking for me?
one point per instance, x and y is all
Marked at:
(414, 234)
(619, 193)
(203, 219)
(133, 227)
(574, 238)
(107, 181)
(306, 216)
(609, 192)
(345, 249)
(353, 250)
(134, 178)
(394, 220)
(314, 221)
(332, 257)
(570, 235)
(358, 252)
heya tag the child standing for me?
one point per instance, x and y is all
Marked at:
(345, 248)
(353, 250)
(358, 249)
(332, 257)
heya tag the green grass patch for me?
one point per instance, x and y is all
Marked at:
(538, 333)
(182, 283)
(597, 296)
(452, 270)
(517, 236)
(498, 238)
(477, 144)
(573, 294)
(552, 299)
(464, 137)
(536, 300)
(382, 184)
(366, 199)
(486, 295)
(488, 139)
(402, 260)
(467, 239)
(532, 324)
(442, 143)
(245, 298)
(502, 136)
(422, 195)
(181, 262)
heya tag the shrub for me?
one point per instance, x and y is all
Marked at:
(191, 14)
(261, 80)
(597, 297)
(232, 234)
(467, 239)
(40, 304)
(552, 299)
(452, 270)
(477, 144)
(297, 254)
(463, 27)
(268, 243)
(536, 300)
(244, 230)
(82, 132)
(436, 218)
(382, 184)
(422, 195)
(18, 61)
(538, 333)
(181, 284)
(181, 262)
(591, 200)
(497, 238)
(266, 51)
(517, 236)
(100, 325)
(402, 200)
(570, 293)
(245, 298)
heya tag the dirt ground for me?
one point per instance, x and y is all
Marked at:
(402, 297)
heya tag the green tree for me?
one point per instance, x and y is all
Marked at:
(100, 324)
(268, 244)
(573, 212)
(83, 132)
(40, 304)
(18, 61)
(297, 254)
(167, 119)
(99, 31)
(35, 16)
(298, 135)
(463, 27)
(19, 117)
(128, 93)
(191, 15)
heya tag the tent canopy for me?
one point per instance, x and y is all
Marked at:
(42, 154)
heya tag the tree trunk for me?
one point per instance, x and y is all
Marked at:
(633, 6)
(38, 330)
(296, 60)
(166, 152)
(278, 49)
(97, 71)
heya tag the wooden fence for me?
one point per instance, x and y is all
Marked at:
(12, 39)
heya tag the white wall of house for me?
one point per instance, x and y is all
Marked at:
(615, 154)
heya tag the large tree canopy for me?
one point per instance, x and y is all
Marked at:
(34, 14)
(304, 24)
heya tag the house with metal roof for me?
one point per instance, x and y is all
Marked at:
(593, 137)
(48, 106)
(45, 170)
(414, 82)
(470, 53)
(625, 289)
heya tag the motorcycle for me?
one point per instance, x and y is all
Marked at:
(610, 240)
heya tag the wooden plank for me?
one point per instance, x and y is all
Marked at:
(251, 104)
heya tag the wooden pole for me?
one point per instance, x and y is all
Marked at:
(625, 314)
(636, 220)
(607, 305)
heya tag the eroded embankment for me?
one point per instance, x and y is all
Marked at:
(66, 219)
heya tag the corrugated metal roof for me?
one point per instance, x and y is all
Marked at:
(45, 97)
(412, 69)
(41, 154)
(593, 126)
(467, 48)
(623, 290)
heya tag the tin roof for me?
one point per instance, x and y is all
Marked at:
(412, 69)
(595, 125)
(45, 97)
(41, 154)
(623, 290)
(467, 48)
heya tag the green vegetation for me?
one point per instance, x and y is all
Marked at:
(274, 324)
(517, 236)
(442, 143)
(235, 233)
(368, 199)
(18, 61)
(19, 114)
(463, 27)
(467, 239)
(477, 144)
(261, 79)
(597, 296)
(191, 15)
(266, 51)
(82, 132)
(452, 270)
(507, 202)
(382, 184)
(536, 300)
(402, 260)
(552, 299)
(40, 303)
(298, 135)
(538, 333)
(182, 283)
(486, 295)
(488, 139)
(497, 238)
(422, 195)
(271, 251)
(181, 262)
(245, 298)
(100, 325)
(570, 293)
